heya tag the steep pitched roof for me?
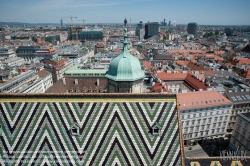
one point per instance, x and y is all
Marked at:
(195, 83)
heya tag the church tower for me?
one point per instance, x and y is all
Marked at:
(125, 74)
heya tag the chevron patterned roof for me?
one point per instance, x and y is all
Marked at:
(111, 132)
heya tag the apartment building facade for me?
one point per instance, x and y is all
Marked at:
(240, 140)
(241, 104)
(204, 115)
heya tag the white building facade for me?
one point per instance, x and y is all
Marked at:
(204, 115)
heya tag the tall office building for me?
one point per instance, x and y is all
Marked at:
(151, 29)
(61, 22)
(174, 23)
(140, 31)
(192, 28)
(169, 23)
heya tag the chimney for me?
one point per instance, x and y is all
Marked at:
(97, 82)
(63, 80)
(76, 81)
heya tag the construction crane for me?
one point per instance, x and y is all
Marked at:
(71, 18)
(82, 22)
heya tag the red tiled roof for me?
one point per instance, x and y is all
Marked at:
(147, 65)
(244, 74)
(193, 66)
(244, 61)
(57, 87)
(43, 73)
(201, 99)
(209, 73)
(172, 76)
(182, 63)
(195, 83)
(218, 58)
(158, 88)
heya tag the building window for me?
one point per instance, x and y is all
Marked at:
(218, 130)
(221, 117)
(191, 129)
(156, 129)
(212, 131)
(74, 129)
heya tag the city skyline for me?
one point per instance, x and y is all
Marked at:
(100, 11)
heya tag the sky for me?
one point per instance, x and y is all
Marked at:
(204, 12)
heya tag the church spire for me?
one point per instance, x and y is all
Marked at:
(125, 43)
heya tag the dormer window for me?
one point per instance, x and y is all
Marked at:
(156, 129)
(74, 129)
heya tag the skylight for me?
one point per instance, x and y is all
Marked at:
(234, 99)
(238, 97)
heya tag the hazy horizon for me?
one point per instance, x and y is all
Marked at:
(211, 12)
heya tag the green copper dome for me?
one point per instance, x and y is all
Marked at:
(125, 67)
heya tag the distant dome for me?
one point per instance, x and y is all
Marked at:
(125, 67)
